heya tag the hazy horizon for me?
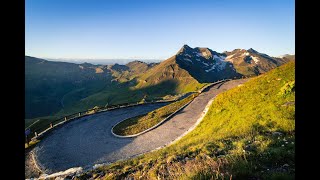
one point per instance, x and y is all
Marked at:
(99, 61)
(106, 61)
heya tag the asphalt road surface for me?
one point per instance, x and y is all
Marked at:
(88, 141)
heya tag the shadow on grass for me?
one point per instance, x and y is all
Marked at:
(118, 94)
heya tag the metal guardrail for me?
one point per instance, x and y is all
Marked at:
(40, 132)
(211, 84)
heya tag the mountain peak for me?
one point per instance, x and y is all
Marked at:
(185, 49)
(186, 46)
(252, 50)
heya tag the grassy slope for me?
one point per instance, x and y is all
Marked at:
(234, 139)
(140, 123)
(170, 70)
(48, 84)
(163, 80)
(167, 78)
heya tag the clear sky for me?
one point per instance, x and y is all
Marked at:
(156, 29)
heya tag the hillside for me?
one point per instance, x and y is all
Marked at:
(171, 76)
(152, 82)
(50, 86)
(138, 81)
(56, 89)
(124, 73)
(248, 133)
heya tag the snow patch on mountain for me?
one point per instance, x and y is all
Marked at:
(212, 68)
(219, 64)
(229, 58)
(206, 64)
(220, 58)
(188, 55)
(255, 59)
(189, 60)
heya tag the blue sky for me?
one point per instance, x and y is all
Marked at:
(156, 29)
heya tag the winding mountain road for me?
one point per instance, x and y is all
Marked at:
(88, 141)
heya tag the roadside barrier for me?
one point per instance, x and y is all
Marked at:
(41, 132)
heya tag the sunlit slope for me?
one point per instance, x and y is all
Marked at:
(170, 71)
(166, 78)
(248, 132)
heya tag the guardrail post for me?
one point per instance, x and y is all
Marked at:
(65, 118)
(35, 134)
(79, 114)
(51, 126)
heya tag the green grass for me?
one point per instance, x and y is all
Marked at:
(124, 93)
(140, 123)
(113, 94)
(236, 137)
(49, 86)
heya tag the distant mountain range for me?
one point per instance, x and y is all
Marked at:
(101, 61)
(59, 88)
